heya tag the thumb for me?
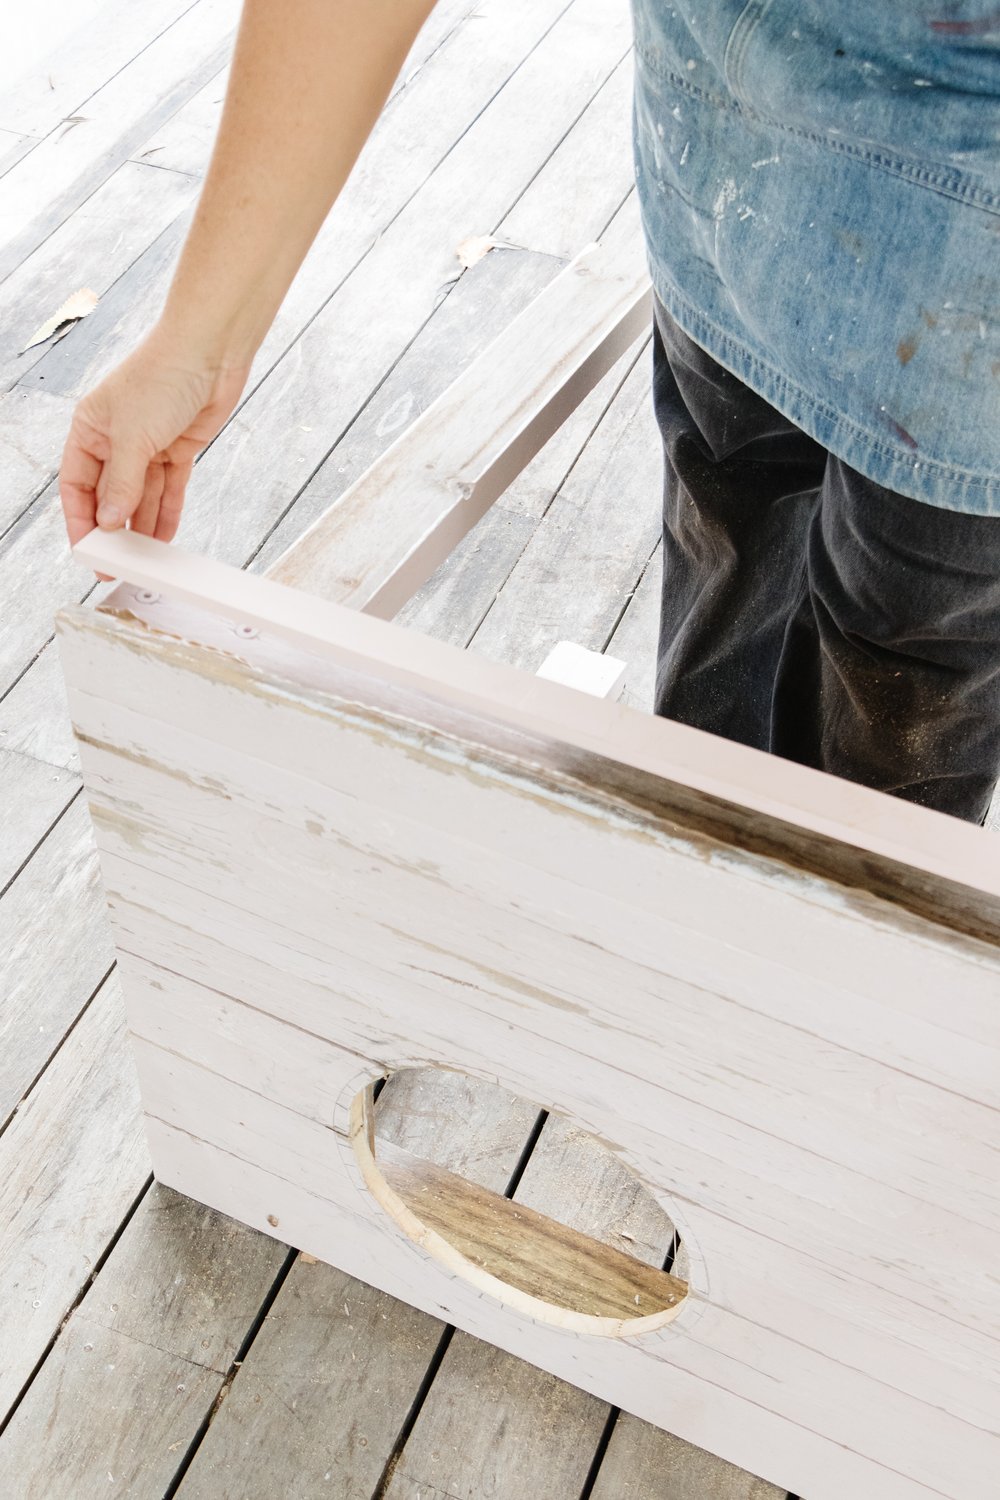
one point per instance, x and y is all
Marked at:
(121, 485)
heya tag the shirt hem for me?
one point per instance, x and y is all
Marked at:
(894, 467)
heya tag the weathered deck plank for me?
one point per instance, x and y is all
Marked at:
(92, 248)
(56, 950)
(323, 1394)
(643, 1463)
(287, 429)
(54, 179)
(347, 1360)
(144, 1356)
(82, 63)
(592, 544)
(33, 797)
(72, 1163)
(493, 1425)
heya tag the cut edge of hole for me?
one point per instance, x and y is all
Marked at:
(440, 1249)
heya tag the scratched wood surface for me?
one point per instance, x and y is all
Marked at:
(157, 1345)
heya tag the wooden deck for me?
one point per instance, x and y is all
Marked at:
(148, 1347)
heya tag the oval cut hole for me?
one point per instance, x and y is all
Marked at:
(519, 1202)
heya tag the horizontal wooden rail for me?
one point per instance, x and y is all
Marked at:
(773, 806)
(387, 533)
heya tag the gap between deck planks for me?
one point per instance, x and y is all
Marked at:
(522, 274)
(481, 305)
(131, 1253)
(538, 485)
(33, 716)
(412, 254)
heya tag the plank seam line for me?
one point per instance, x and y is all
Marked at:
(38, 844)
(231, 1374)
(520, 1166)
(198, 81)
(412, 1416)
(137, 161)
(603, 1442)
(98, 1266)
(631, 595)
(827, 1266)
(437, 1358)
(469, 15)
(85, 101)
(26, 1095)
(748, 1400)
(28, 666)
(42, 351)
(557, 492)
(448, 287)
(781, 1021)
(604, 84)
(37, 495)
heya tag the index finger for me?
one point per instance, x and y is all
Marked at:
(79, 471)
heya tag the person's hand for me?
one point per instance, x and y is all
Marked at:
(134, 438)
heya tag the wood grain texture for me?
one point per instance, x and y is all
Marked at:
(142, 1358)
(285, 433)
(489, 1424)
(72, 1163)
(578, 569)
(924, 862)
(385, 536)
(72, 366)
(41, 190)
(344, 1359)
(643, 1463)
(56, 947)
(321, 1396)
(34, 714)
(80, 64)
(462, 1124)
(500, 1428)
(12, 147)
(525, 1249)
(584, 182)
(38, 573)
(455, 600)
(477, 308)
(33, 795)
(92, 248)
(33, 427)
(568, 1174)
(571, 999)
(184, 142)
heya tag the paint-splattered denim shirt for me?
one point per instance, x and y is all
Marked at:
(820, 189)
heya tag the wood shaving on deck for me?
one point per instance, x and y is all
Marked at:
(76, 306)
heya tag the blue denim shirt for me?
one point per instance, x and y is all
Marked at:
(820, 191)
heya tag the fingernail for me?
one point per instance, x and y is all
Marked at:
(108, 515)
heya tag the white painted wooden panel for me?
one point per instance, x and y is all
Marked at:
(789, 796)
(368, 877)
(236, 1041)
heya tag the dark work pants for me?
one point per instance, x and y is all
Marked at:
(810, 612)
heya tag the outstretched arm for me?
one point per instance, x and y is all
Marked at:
(308, 80)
